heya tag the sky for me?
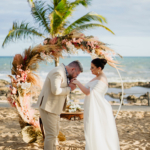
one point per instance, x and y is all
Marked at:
(128, 19)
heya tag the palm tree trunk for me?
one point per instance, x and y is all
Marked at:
(56, 62)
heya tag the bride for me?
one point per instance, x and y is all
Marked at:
(99, 123)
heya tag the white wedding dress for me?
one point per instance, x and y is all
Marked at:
(99, 123)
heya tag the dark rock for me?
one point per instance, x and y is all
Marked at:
(144, 101)
(128, 85)
(132, 97)
(4, 91)
(115, 95)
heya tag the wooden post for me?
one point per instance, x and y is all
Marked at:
(56, 61)
(120, 99)
(148, 99)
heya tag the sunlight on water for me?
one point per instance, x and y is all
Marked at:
(135, 69)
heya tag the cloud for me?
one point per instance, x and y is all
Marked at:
(128, 19)
(125, 18)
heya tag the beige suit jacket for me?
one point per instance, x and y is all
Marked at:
(55, 90)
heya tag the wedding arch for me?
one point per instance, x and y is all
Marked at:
(24, 79)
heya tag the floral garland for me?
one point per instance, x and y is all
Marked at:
(24, 80)
(75, 41)
(20, 97)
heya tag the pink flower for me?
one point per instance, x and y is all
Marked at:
(24, 75)
(79, 40)
(97, 46)
(20, 69)
(68, 43)
(53, 41)
(17, 76)
(14, 90)
(64, 41)
(74, 40)
(35, 123)
(108, 56)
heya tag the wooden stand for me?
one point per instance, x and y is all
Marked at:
(69, 115)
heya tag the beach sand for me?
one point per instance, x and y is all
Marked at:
(133, 129)
(133, 126)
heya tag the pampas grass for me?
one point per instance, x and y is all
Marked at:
(31, 134)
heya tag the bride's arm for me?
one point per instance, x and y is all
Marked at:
(82, 88)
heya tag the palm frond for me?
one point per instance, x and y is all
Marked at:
(40, 14)
(21, 31)
(57, 15)
(66, 9)
(86, 19)
(31, 3)
(89, 26)
(56, 2)
(85, 3)
(50, 7)
(51, 17)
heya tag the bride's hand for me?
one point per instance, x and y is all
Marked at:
(75, 81)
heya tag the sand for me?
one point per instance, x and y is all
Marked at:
(133, 129)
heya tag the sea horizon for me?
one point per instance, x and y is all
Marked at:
(135, 68)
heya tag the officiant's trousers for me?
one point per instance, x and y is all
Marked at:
(51, 127)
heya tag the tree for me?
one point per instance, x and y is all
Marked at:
(53, 19)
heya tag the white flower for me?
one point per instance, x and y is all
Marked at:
(93, 55)
(49, 59)
(18, 84)
(46, 57)
(72, 48)
(25, 85)
(74, 107)
(72, 110)
(78, 106)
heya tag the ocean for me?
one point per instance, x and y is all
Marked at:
(134, 69)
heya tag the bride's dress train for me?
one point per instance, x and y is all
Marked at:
(99, 123)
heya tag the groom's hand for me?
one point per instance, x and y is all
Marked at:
(72, 80)
(72, 86)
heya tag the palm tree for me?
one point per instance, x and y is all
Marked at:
(52, 19)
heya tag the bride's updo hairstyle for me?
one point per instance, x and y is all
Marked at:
(99, 62)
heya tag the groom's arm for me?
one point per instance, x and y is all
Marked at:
(56, 89)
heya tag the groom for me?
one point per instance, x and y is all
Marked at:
(52, 99)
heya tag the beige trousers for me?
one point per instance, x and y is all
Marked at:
(51, 127)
